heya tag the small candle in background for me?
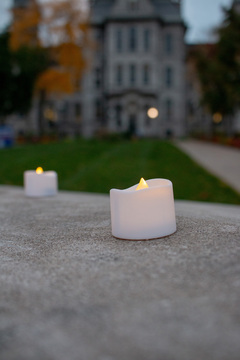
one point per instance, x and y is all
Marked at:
(143, 211)
(40, 183)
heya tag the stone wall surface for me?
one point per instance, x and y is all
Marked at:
(69, 290)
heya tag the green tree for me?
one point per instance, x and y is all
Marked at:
(60, 28)
(5, 77)
(219, 70)
(18, 73)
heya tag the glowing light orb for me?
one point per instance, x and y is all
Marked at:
(152, 113)
(217, 118)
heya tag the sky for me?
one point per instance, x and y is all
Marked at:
(201, 16)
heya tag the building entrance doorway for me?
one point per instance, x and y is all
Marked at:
(132, 125)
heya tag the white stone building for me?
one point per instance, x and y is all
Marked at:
(138, 63)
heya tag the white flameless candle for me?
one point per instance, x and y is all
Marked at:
(143, 211)
(40, 183)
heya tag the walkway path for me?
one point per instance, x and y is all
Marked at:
(220, 160)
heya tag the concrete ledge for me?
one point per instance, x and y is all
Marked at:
(69, 290)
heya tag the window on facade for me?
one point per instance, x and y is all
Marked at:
(98, 35)
(169, 77)
(168, 44)
(78, 111)
(98, 110)
(132, 39)
(190, 85)
(119, 40)
(147, 118)
(97, 78)
(65, 109)
(190, 108)
(50, 114)
(133, 4)
(169, 109)
(118, 111)
(132, 74)
(146, 74)
(119, 75)
(146, 39)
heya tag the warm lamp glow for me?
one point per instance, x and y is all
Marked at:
(152, 113)
(142, 184)
(217, 118)
(39, 170)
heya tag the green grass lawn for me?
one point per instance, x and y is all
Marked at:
(98, 166)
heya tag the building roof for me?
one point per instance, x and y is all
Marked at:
(100, 10)
(167, 11)
(236, 5)
(20, 3)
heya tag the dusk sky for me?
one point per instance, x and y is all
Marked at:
(200, 16)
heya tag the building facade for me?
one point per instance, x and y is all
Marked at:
(138, 63)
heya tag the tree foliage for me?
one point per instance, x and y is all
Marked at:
(19, 70)
(60, 26)
(219, 67)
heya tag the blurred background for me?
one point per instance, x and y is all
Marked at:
(101, 90)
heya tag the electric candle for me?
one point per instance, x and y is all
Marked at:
(143, 211)
(40, 183)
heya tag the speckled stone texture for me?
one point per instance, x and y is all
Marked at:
(70, 291)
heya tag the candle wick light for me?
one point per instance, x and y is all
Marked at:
(39, 170)
(142, 184)
(38, 183)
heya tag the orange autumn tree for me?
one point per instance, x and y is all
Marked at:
(61, 28)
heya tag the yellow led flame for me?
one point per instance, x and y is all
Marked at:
(39, 170)
(142, 184)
